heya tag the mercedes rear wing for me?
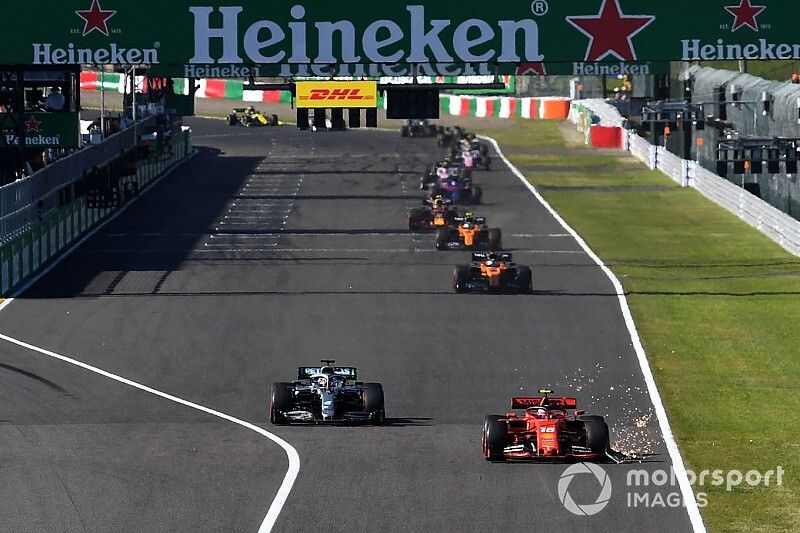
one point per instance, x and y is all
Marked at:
(525, 402)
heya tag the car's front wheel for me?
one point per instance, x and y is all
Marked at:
(373, 403)
(596, 433)
(495, 436)
(280, 402)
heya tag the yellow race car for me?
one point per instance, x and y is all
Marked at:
(249, 117)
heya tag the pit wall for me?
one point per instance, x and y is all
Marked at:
(34, 248)
(555, 108)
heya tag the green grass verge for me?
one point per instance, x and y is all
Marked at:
(718, 308)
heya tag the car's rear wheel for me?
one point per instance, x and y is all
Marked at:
(460, 278)
(416, 217)
(596, 433)
(442, 235)
(524, 280)
(280, 402)
(495, 436)
(373, 403)
(404, 131)
(494, 239)
(477, 195)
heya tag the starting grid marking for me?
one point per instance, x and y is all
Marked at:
(266, 217)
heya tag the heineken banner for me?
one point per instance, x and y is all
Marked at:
(236, 38)
(42, 130)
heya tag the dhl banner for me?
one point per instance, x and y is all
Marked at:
(330, 94)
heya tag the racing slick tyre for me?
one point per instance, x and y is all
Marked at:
(280, 401)
(373, 403)
(524, 280)
(596, 432)
(441, 239)
(416, 218)
(460, 278)
(476, 195)
(488, 163)
(484, 150)
(494, 240)
(232, 119)
(495, 437)
(404, 131)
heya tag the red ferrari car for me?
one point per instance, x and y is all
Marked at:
(547, 428)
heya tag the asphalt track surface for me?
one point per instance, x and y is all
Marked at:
(274, 248)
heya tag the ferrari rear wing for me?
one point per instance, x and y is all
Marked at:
(524, 402)
(347, 372)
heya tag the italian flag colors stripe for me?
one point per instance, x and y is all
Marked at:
(449, 104)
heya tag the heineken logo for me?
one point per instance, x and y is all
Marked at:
(381, 41)
(33, 140)
(95, 18)
(745, 15)
(113, 54)
(610, 32)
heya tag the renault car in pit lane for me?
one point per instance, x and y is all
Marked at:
(469, 233)
(492, 272)
(326, 394)
(249, 117)
(547, 428)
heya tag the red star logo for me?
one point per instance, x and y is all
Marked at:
(95, 18)
(745, 15)
(531, 69)
(610, 31)
(33, 124)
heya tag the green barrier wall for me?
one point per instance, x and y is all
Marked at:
(27, 254)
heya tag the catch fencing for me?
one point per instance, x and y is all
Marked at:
(30, 250)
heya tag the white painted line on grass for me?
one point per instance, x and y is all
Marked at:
(294, 459)
(655, 397)
(291, 453)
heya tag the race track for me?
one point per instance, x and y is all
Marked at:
(274, 248)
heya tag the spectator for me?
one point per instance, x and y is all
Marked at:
(55, 100)
(795, 78)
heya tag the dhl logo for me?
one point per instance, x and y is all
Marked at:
(330, 94)
(334, 94)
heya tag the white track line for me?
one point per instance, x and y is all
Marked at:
(291, 453)
(294, 459)
(655, 397)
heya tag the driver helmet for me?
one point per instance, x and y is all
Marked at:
(438, 201)
(491, 259)
(322, 382)
(469, 217)
(538, 412)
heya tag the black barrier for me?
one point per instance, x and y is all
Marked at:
(354, 118)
